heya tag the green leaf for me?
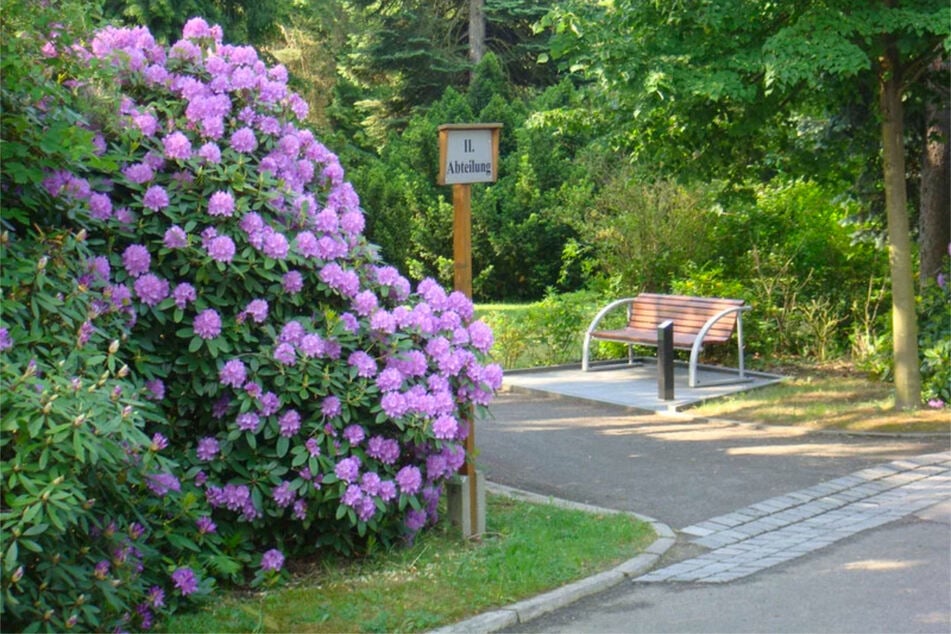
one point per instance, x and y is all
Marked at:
(11, 557)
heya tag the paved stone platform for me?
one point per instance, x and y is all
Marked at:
(635, 385)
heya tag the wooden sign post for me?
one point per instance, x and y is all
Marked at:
(468, 153)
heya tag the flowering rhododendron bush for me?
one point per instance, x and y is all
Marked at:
(309, 395)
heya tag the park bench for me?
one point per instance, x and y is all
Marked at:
(697, 321)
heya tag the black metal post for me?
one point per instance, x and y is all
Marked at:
(665, 361)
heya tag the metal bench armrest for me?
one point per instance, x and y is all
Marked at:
(698, 342)
(594, 324)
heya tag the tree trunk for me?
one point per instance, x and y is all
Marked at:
(476, 30)
(904, 319)
(934, 217)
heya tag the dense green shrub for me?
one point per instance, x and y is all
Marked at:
(546, 332)
(520, 224)
(310, 397)
(934, 341)
(95, 522)
(644, 233)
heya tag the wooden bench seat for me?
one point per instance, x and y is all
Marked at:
(698, 321)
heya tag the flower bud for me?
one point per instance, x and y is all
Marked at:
(17, 575)
(81, 236)
(123, 372)
(114, 346)
(42, 263)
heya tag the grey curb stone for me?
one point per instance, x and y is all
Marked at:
(524, 611)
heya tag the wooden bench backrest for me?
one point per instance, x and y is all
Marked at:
(689, 314)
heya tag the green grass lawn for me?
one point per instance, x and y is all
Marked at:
(528, 549)
(827, 398)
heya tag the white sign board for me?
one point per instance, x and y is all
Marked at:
(468, 154)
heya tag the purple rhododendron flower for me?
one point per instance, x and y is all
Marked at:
(205, 525)
(394, 404)
(248, 421)
(150, 289)
(409, 479)
(292, 282)
(207, 449)
(156, 388)
(283, 495)
(383, 321)
(354, 434)
(100, 206)
(480, 335)
(221, 249)
(233, 373)
(386, 450)
(156, 597)
(445, 427)
(146, 123)
(210, 152)
(177, 146)
(136, 260)
(415, 520)
(270, 403)
(139, 173)
(292, 332)
(183, 294)
(365, 303)
(353, 496)
(289, 423)
(99, 267)
(159, 442)
(185, 580)
(285, 354)
(155, 198)
(207, 324)
(276, 246)
(161, 483)
(257, 309)
(312, 447)
(370, 483)
(330, 406)
(196, 28)
(311, 345)
(175, 238)
(348, 469)
(389, 379)
(272, 560)
(364, 363)
(243, 140)
(221, 203)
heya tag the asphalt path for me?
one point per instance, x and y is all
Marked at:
(682, 471)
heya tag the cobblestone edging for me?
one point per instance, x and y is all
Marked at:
(535, 607)
(786, 527)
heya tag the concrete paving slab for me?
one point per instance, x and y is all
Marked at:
(635, 385)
